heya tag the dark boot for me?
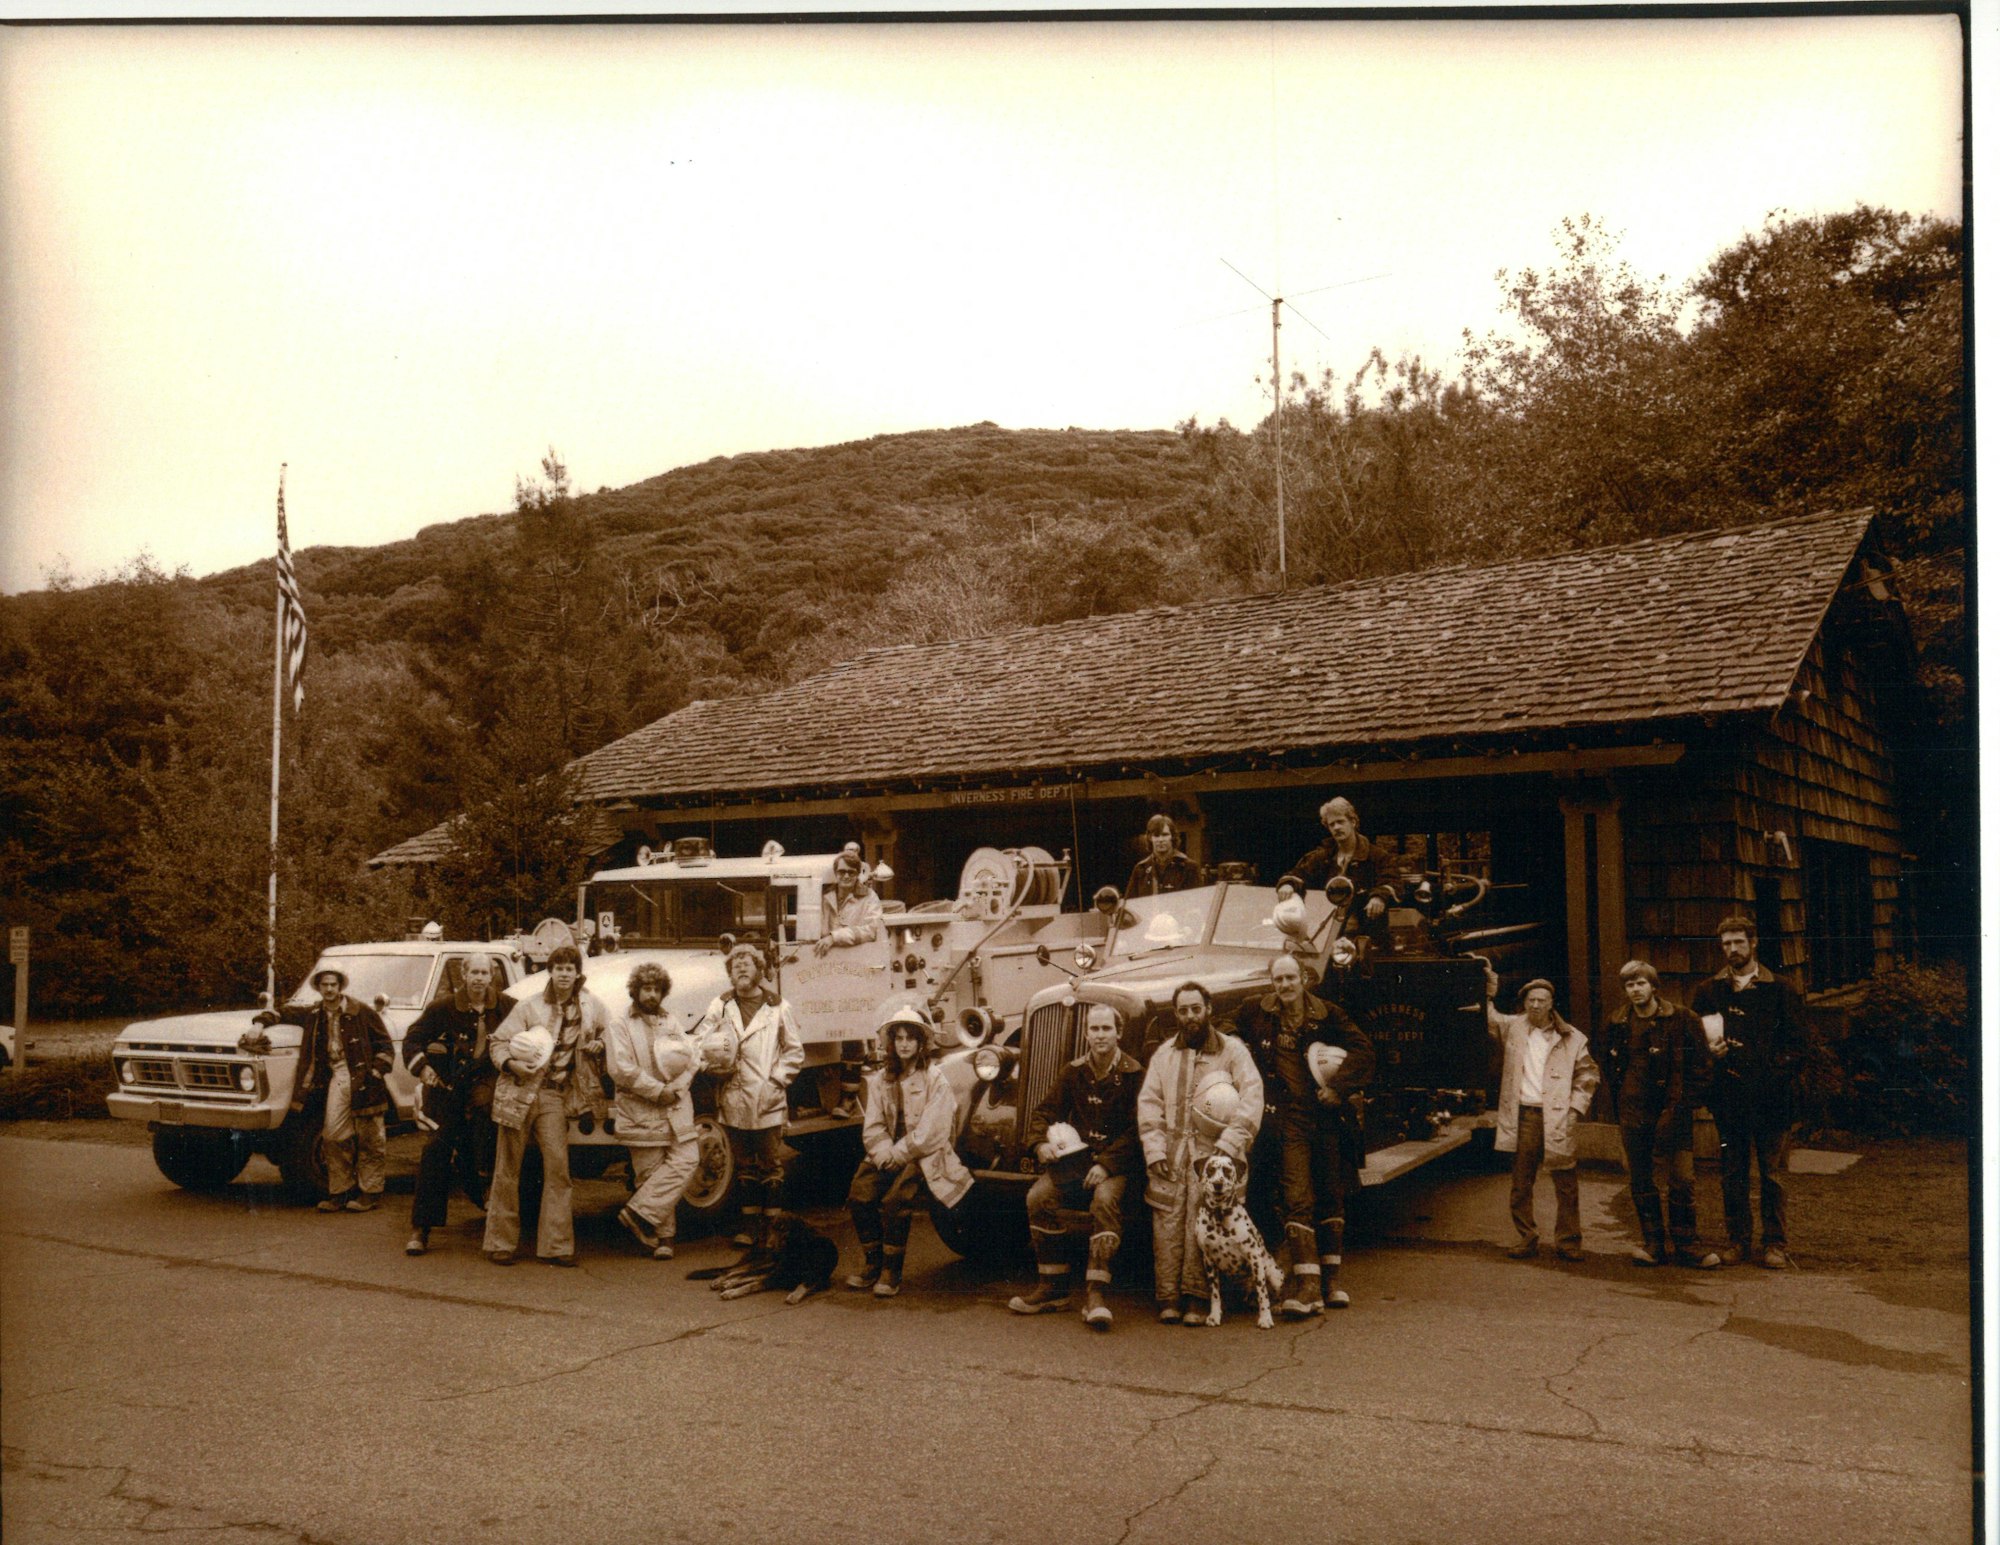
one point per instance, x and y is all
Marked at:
(1097, 1280)
(871, 1269)
(1301, 1290)
(749, 1224)
(1652, 1225)
(1331, 1232)
(1051, 1292)
(890, 1283)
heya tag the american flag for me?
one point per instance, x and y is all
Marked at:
(291, 615)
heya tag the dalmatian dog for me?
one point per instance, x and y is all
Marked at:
(1230, 1245)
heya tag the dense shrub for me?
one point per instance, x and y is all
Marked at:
(1894, 1055)
(58, 1089)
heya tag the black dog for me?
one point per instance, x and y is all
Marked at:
(798, 1263)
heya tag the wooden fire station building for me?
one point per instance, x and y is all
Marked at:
(1632, 742)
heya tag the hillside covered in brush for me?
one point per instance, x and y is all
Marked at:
(1816, 364)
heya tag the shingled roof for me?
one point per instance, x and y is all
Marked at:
(1698, 625)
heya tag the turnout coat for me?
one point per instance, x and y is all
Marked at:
(1104, 1111)
(464, 1032)
(1569, 1079)
(513, 1096)
(365, 1047)
(1666, 1057)
(763, 1053)
(651, 1111)
(929, 1113)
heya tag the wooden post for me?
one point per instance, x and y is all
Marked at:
(17, 952)
(1576, 911)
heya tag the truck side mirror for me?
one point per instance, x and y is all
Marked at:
(1106, 899)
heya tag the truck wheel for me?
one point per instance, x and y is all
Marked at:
(708, 1193)
(301, 1157)
(200, 1159)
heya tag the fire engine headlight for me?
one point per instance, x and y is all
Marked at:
(125, 1073)
(246, 1078)
(1343, 952)
(986, 1064)
(1425, 893)
(1086, 957)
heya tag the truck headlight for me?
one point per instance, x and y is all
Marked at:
(125, 1073)
(246, 1078)
(1086, 957)
(986, 1064)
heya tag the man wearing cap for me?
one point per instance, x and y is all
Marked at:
(1201, 1094)
(653, 1060)
(1321, 1134)
(1095, 1104)
(1755, 1026)
(1547, 1077)
(1343, 852)
(533, 1101)
(1164, 868)
(446, 1048)
(749, 1032)
(851, 912)
(344, 1057)
(1656, 1067)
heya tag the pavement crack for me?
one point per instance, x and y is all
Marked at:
(319, 1279)
(1549, 1383)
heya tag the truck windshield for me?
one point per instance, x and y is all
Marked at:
(655, 913)
(1245, 918)
(399, 978)
(1164, 922)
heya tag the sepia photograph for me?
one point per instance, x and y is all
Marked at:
(1054, 777)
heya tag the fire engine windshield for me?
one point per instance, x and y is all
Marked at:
(1245, 918)
(399, 978)
(1163, 922)
(658, 913)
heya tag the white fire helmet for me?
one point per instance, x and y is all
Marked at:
(1165, 929)
(1323, 1061)
(1064, 1140)
(531, 1049)
(673, 1054)
(1289, 917)
(1213, 1107)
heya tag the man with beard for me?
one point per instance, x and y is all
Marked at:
(748, 1032)
(447, 1050)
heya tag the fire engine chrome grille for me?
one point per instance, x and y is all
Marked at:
(1050, 1029)
(153, 1070)
(208, 1075)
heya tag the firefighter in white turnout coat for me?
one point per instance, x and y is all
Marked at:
(1202, 1093)
(652, 1060)
(749, 1033)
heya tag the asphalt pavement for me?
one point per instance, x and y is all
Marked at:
(234, 1369)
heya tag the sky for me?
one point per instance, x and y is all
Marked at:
(407, 261)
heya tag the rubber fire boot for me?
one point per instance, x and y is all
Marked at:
(1051, 1276)
(1301, 1290)
(871, 1269)
(1097, 1281)
(1331, 1232)
(774, 1212)
(749, 1224)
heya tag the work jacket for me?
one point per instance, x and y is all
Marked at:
(763, 1055)
(857, 920)
(1151, 876)
(1281, 1053)
(464, 1032)
(365, 1048)
(1766, 1021)
(1569, 1079)
(1104, 1111)
(513, 1095)
(1174, 1078)
(922, 1107)
(1656, 1068)
(1318, 865)
(650, 1111)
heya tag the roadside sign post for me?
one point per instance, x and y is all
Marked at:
(17, 957)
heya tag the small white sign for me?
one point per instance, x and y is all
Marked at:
(17, 945)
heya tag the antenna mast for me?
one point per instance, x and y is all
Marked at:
(1278, 434)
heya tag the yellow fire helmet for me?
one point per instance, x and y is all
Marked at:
(1323, 1061)
(673, 1055)
(531, 1049)
(1213, 1107)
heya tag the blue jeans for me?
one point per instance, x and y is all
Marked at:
(1528, 1164)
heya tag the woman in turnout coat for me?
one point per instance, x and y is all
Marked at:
(906, 1139)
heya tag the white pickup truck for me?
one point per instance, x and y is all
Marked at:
(212, 1104)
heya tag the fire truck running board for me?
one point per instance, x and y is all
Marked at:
(1386, 1164)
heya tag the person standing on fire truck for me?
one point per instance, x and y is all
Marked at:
(1164, 868)
(1343, 852)
(851, 912)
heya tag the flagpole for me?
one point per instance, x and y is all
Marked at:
(277, 731)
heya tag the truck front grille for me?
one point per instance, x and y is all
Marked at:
(1047, 1047)
(208, 1075)
(154, 1070)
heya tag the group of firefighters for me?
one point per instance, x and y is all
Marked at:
(1276, 1088)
